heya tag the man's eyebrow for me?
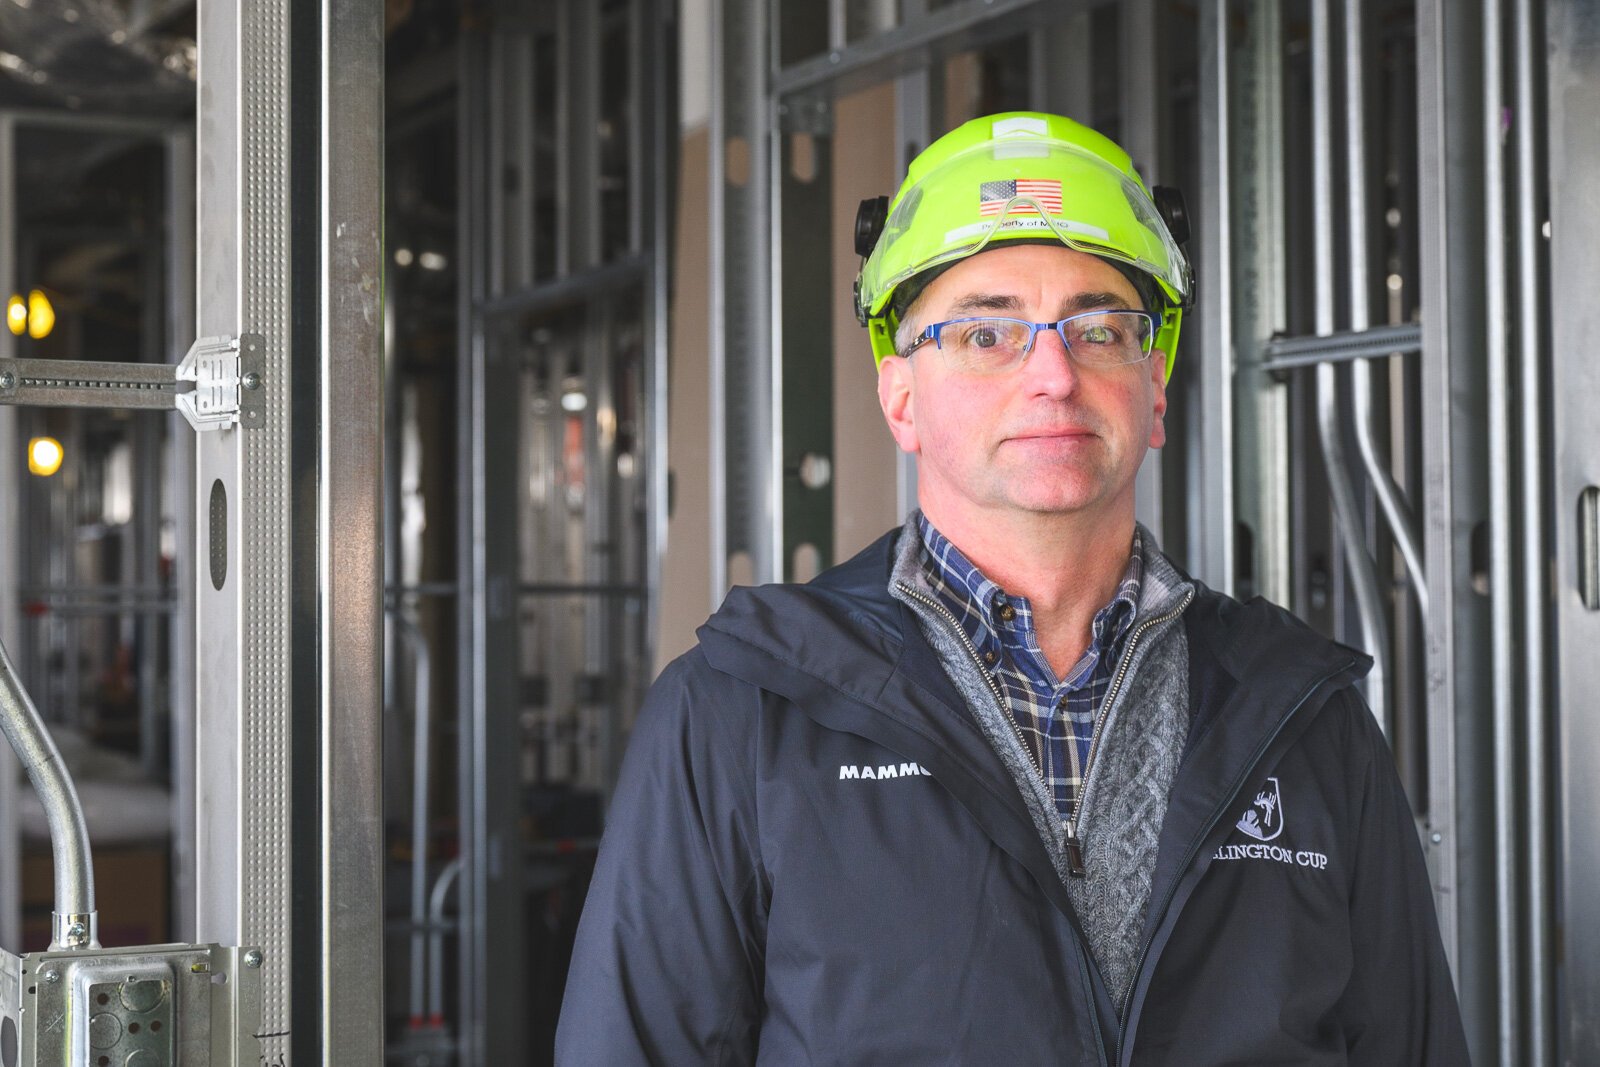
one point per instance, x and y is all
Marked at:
(1092, 301)
(985, 302)
(1106, 301)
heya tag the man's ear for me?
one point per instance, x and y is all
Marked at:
(1158, 384)
(897, 397)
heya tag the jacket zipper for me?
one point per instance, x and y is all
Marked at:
(1005, 712)
(977, 661)
(1075, 865)
(1194, 847)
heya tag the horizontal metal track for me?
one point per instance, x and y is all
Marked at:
(886, 55)
(68, 383)
(572, 290)
(1294, 353)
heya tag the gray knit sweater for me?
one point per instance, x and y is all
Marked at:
(1141, 737)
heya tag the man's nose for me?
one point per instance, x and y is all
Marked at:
(1049, 367)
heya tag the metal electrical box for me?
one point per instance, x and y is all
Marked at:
(153, 1006)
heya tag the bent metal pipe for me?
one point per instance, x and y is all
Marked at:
(75, 924)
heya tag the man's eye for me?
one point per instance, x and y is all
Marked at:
(981, 335)
(1098, 334)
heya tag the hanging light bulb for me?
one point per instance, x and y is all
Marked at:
(44, 456)
(17, 315)
(41, 316)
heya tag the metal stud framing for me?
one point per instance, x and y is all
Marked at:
(1572, 36)
(287, 748)
(543, 297)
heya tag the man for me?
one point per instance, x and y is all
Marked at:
(1008, 787)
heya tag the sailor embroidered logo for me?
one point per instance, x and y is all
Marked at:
(1263, 819)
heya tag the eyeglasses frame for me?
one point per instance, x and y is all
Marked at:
(931, 333)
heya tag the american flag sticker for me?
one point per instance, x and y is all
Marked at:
(992, 196)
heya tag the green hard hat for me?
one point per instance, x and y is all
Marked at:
(1022, 175)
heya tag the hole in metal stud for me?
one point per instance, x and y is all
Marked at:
(219, 535)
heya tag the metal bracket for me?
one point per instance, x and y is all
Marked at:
(227, 373)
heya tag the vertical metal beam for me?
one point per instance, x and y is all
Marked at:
(1455, 463)
(1346, 509)
(350, 532)
(1572, 37)
(1062, 87)
(746, 427)
(493, 956)
(288, 789)
(243, 615)
(10, 531)
(1259, 305)
(916, 100)
(1502, 579)
(1529, 211)
(472, 102)
(1141, 135)
(180, 288)
(581, 65)
(1358, 216)
(655, 95)
(1211, 553)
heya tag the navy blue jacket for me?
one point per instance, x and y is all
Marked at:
(814, 856)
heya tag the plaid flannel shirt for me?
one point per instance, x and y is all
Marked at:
(1056, 716)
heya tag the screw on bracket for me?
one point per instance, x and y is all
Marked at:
(7, 380)
(51, 977)
(253, 958)
(252, 381)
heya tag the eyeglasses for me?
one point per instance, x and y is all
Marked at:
(985, 345)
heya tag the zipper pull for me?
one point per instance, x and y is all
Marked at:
(1074, 851)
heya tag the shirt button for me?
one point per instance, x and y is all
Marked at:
(989, 658)
(1007, 613)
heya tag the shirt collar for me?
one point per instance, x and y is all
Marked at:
(948, 567)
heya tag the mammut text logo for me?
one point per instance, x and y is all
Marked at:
(1263, 820)
(885, 770)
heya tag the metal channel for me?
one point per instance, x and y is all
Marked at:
(1261, 410)
(1529, 207)
(1368, 601)
(472, 556)
(1376, 342)
(350, 533)
(1138, 40)
(10, 534)
(1395, 508)
(657, 95)
(746, 512)
(243, 622)
(1502, 594)
(1455, 462)
(1211, 551)
(1572, 37)
(916, 98)
(569, 290)
(493, 956)
(1064, 88)
(181, 476)
(898, 51)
